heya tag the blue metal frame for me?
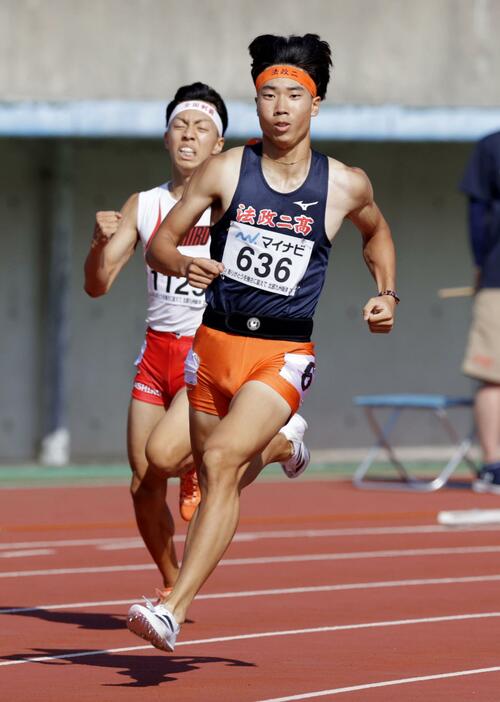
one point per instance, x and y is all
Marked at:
(145, 119)
(397, 403)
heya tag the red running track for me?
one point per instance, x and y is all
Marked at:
(326, 593)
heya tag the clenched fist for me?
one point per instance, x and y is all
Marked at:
(379, 314)
(106, 225)
(201, 271)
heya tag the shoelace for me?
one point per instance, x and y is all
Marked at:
(164, 617)
(189, 487)
(149, 604)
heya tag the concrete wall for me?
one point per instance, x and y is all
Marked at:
(415, 185)
(431, 52)
(21, 184)
(416, 188)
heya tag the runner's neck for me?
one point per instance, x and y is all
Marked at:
(178, 183)
(287, 155)
(285, 175)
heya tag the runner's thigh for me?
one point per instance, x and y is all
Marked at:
(169, 442)
(142, 419)
(201, 426)
(256, 414)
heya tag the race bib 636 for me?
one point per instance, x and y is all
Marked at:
(267, 260)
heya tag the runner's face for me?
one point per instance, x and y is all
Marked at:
(285, 109)
(191, 138)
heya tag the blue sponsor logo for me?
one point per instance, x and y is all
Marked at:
(248, 238)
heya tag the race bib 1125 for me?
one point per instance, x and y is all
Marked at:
(174, 291)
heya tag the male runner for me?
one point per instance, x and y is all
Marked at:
(158, 423)
(277, 207)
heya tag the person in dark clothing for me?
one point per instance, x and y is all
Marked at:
(481, 183)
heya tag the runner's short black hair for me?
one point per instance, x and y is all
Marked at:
(199, 91)
(309, 52)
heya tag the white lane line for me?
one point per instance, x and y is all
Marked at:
(78, 571)
(272, 634)
(249, 536)
(82, 654)
(24, 553)
(128, 545)
(276, 591)
(115, 542)
(270, 560)
(355, 555)
(58, 543)
(384, 683)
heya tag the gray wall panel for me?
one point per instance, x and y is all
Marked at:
(107, 332)
(21, 268)
(415, 186)
(434, 52)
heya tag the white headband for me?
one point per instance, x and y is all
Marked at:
(205, 107)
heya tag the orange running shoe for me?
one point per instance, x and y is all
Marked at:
(189, 495)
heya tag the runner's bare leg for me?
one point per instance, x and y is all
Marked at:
(226, 448)
(169, 446)
(148, 489)
(487, 415)
(279, 449)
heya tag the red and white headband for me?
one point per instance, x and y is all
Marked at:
(205, 107)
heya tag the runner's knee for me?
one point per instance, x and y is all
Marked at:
(146, 487)
(165, 459)
(139, 471)
(219, 468)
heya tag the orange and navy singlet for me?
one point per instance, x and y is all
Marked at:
(275, 252)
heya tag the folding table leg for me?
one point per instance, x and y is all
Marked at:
(382, 435)
(407, 482)
(463, 445)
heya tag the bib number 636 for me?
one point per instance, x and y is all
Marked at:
(263, 264)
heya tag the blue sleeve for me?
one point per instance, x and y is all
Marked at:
(479, 229)
(479, 177)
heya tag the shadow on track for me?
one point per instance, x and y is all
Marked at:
(147, 670)
(83, 620)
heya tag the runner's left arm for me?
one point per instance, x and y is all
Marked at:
(113, 243)
(162, 254)
(378, 252)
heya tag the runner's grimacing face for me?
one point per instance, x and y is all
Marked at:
(285, 109)
(191, 138)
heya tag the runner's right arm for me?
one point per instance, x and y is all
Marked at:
(113, 243)
(162, 254)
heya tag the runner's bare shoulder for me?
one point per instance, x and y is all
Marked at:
(230, 158)
(223, 171)
(350, 182)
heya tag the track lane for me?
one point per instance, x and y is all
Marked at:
(261, 668)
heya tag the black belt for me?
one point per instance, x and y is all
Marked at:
(282, 328)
